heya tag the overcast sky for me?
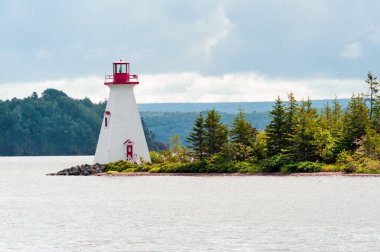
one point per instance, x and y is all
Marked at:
(190, 51)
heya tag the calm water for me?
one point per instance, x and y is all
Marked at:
(40, 213)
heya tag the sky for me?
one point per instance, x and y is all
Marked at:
(190, 51)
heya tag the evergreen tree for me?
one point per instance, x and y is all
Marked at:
(371, 96)
(242, 131)
(290, 123)
(303, 141)
(260, 149)
(356, 122)
(216, 132)
(325, 142)
(275, 131)
(336, 120)
(376, 116)
(197, 137)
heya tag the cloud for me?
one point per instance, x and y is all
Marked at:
(353, 51)
(194, 87)
(90, 87)
(216, 27)
(278, 38)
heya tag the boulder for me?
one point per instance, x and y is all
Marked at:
(80, 170)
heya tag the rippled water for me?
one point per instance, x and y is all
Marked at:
(42, 213)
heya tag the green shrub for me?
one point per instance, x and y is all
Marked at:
(349, 168)
(236, 152)
(144, 167)
(344, 157)
(301, 167)
(129, 170)
(119, 166)
(112, 172)
(154, 170)
(331, 168)
(245, 167)
(365, 165)
(156, 157)
(289, 168)
(274, 163)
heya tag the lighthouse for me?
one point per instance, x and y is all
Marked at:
(121, 136)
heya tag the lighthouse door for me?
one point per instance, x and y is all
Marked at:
(129, 152)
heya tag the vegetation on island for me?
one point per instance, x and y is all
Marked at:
(299, 138)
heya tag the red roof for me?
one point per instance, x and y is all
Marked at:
(129, 141)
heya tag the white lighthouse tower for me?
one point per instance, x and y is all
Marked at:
(121, 136)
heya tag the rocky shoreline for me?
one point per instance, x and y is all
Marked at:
(80, 170)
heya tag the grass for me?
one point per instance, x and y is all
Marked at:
(212, 165)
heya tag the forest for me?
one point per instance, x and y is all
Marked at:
(53, 124)
(299, 138)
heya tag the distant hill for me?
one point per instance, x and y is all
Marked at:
(226, 107)
(167, 124)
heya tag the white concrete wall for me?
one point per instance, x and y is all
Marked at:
(124, 123)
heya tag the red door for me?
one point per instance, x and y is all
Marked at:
(129, 152)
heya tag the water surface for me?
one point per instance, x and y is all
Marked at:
(43, 213)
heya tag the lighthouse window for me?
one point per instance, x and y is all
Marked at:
(105, 122)
(122, 68)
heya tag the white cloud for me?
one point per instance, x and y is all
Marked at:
(90, 87)
(194, 87)
(353, 51)
(216, 27)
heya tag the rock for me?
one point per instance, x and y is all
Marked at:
(80, 170)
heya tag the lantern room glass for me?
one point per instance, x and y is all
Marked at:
(121, 68)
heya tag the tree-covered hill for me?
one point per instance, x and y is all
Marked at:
(53, 124)
(168, 124)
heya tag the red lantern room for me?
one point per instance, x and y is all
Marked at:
(121, 74)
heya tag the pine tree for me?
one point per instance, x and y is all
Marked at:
(371, 96)
(356, 122)
(216, 132)
(197, 137)
(275, 130)
(242, 131)
(303, 141)
(325, 142)
(290, 123)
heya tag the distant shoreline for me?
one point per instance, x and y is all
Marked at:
(277, 174)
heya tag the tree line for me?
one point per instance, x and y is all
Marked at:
(297, 134)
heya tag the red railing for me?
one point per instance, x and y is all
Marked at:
(133, 78)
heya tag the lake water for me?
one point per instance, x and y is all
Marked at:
(44, 213)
